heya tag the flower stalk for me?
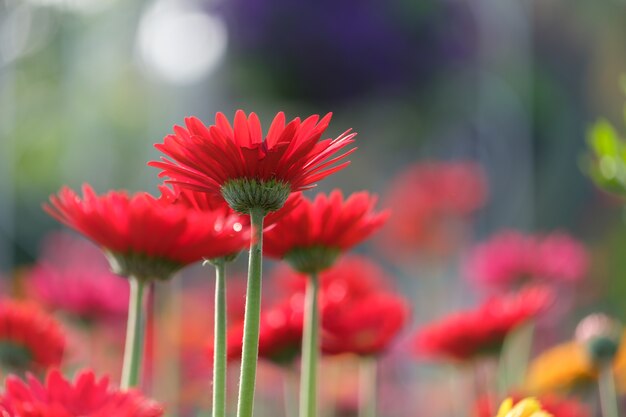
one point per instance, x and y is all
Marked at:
(219, 340)
(250, 348)
(310, 350)
(134, 335)
(608, 396)
(368, 388)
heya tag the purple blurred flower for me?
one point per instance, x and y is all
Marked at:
(73, 275)
(325, 50)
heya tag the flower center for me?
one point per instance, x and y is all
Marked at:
(245, 194)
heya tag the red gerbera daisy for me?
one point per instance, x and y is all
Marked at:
(365, 326)
(86, 397)
(359, 314)
(247, 169)
(280, 335)
(353, 276)
(201, 201)
(432, 204)
(467, 334)
(29, 337)
(315, 232)
(144, 237)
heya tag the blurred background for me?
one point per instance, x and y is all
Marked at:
(88, 86)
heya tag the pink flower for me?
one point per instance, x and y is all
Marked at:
(73, 275)
(512, 258)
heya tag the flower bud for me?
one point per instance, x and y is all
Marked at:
(601, 336)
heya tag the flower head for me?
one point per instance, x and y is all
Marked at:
(431, 201)
(58, 397)
(245, 168)
(467, 334)
(280, 334)
(29, 337)
(511, 258)
(316, 231)
(555, 405)
(206, 202)
(73, 275)
(559, 368)
(527, 407)
(364, 326)
(359, 312)
(144, 237)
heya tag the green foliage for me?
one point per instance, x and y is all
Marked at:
(607, 165)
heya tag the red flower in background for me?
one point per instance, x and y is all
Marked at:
(512, 258)
(352, 276)
(205, 158)
(467, 334)
(359, 313)
(364, 326)
(555, 405)
(430, 202)
(73, 275)
(142, 226)
(86, 397)
(328, 222)
(280, 335)
(31, 338)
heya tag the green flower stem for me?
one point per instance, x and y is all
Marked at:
(290, 393)
(250, 349)
(368, 389)
(608, 397)
(310, 350)
(134, 335)
(219, 341)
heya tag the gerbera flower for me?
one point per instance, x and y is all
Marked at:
(527, 407)
(58, 397)
(359, 313)
(432, 202)
(202, 201)
(511, 258)
(72, 275)
(364, 326)
(316, 232)
(560, 368)
(247, 169)
(351, 277)
(553, 404)
(29, 337)
(142, 236)
(567, 366)
(280, 335)
(467, 334)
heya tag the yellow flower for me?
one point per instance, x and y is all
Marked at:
(559, 368)
(567, 365)
(528, 407)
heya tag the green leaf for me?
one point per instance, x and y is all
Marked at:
(604, 139)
